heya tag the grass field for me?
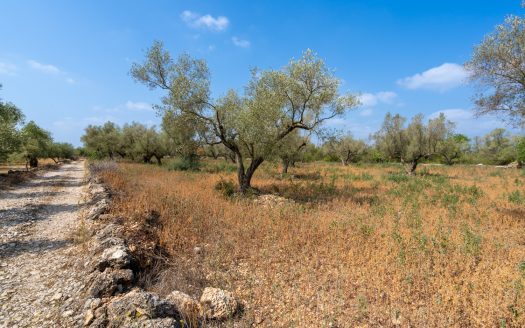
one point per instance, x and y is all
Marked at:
(350, 246)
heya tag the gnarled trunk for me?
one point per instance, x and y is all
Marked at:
(159, 159)
(33, 162)
(244, 176)
(410, 168)
(286, 164)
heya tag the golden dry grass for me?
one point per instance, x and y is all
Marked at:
(359, 246)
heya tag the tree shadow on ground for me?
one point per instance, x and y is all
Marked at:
(315, 193)
(34, 194)
(33, 212)
(17, 248)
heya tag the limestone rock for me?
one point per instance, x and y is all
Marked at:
(116, 257)
(107, 243)
(110, 230)
(106, 283)
(187, 305)
(217, 304)
(138, 309)
(99, 208)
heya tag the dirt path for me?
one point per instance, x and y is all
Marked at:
(40, 265)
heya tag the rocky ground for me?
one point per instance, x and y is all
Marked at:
(41, 276)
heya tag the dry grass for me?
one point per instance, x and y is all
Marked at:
(360, 246)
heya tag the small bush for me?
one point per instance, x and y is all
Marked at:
(225, 187)
(219, 167)
(516, 197)
(185, 164)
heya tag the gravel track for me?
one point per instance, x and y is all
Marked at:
(41, 267)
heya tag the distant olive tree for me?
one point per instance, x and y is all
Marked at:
(498, 68)
(290, 148)
(497, 148)
(453, 147)
(302, 95)
(61, 150)
(102, 141)
(346, 148)
(412, 144)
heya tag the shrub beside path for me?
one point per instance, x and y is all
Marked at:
(41, 275)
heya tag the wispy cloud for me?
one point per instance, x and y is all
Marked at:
(440, 78)
(467, 123)
(373, 99)
(50, 69)
(7, 69)
(125, 107)
(240, 42)
(44, 68)
(370, 100)
(138, 106)
(194, 20)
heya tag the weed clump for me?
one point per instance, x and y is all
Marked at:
(225, 187)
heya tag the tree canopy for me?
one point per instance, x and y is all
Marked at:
(302, 95)
(497, 67)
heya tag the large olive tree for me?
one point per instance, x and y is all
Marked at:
(498, 68)
(302, 95)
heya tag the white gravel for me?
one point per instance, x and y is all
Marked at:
(41, 267)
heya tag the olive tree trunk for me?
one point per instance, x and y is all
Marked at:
(244, 176)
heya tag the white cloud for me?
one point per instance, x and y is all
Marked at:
(44, 68)
(467, 123)
(50, 70)
(441, 78)
(7, 69)
(138, 106)
(125, 107)
(195, 20)
(373, 99)
(240, 42)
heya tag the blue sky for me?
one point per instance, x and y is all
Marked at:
(66, 63)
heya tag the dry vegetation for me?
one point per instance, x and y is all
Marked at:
(358, 246)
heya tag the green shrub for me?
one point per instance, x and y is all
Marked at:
(185, 164)
(516, 197)
(218, 167)
(225, 187)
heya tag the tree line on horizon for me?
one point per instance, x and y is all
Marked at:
(396, 141)
(27, 142)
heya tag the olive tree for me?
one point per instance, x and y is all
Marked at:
(10, 119)
(102, 141)
(346, 148)
(60, 150)
(412, 144)
(302, 95)
(453, 147)
(497, 67)
(35, 143)
(182, 133)
(150, 144)
(289, 149)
